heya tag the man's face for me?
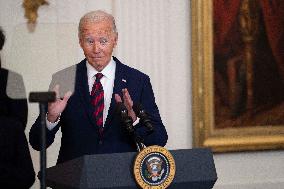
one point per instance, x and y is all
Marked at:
(97, 40)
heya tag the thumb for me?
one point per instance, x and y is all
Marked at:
(117, 98)
(67, 96)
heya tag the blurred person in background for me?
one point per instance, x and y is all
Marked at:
(16, 168)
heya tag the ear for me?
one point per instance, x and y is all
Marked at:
(81, 42)
(115, 38)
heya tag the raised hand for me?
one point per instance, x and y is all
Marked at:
(56, 108)
(127, 101)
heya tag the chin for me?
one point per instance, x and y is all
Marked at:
(98, 67)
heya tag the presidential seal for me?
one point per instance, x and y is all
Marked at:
(154, 167)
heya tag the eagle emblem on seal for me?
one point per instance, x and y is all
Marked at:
(154, 168)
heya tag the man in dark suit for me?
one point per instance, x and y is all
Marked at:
(85, 107)
(16, 168)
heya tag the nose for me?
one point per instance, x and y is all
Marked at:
(96, 47)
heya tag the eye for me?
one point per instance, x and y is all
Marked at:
(90, 41)
(103, 41)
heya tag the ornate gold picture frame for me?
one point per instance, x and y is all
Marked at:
(206, 134)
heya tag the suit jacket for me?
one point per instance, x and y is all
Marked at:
(16, 168)
(80, 134)
(13, 102)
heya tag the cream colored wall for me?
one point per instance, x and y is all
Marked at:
(154, 36)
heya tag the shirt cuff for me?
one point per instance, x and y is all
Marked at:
(136, 122)
(51, 125)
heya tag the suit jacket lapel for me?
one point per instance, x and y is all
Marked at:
(117, 89)
(83, 89)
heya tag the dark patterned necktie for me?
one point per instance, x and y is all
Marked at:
(97, 100)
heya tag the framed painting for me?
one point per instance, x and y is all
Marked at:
(238, 74)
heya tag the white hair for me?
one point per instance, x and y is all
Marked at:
(96, 16)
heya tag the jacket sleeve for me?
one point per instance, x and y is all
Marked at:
(35, 132)
(18, 109)
(147, 99)
(35, 135)
(16, 92)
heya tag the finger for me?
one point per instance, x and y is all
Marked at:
(124, 92)
(117, 98)
(67, 96)
(127, 100)
(56, 90)
(126, 97)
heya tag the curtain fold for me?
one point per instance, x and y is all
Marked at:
(226, 17)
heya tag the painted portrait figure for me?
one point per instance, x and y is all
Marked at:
(248, 62)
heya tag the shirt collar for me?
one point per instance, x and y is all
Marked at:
(108, 71)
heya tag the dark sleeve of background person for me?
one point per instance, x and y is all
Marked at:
(16, 168)
(18, 106)
(13, 102)
(19, 110)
